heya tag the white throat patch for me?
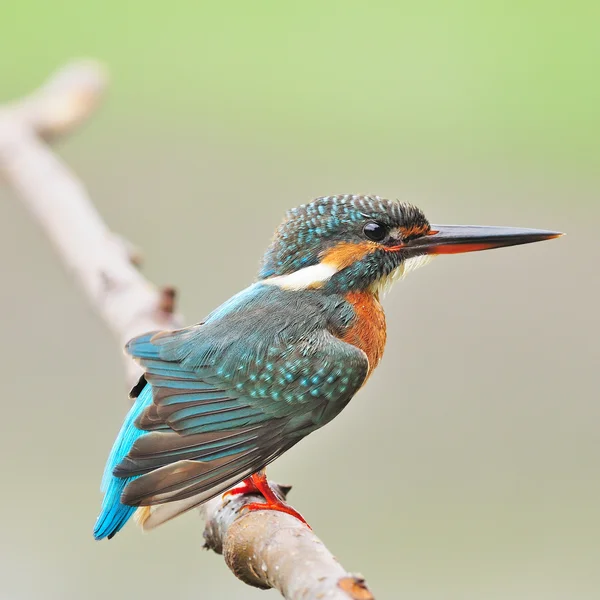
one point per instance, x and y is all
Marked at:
(383, 285)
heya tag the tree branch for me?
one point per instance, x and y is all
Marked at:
(100, 260)
(268, 549)
(264, 549)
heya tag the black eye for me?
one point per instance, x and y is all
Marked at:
(375, 231)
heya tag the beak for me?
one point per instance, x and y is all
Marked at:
(454, 239)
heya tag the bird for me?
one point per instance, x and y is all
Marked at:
(220, 400)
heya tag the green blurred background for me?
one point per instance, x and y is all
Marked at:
(468, 467)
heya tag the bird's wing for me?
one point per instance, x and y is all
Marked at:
(225, 403)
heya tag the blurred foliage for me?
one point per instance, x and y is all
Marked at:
(496, 78)
(469, 463)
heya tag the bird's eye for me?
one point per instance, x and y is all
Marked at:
(375, 231)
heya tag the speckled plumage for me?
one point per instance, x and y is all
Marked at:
(313, 228)
(267, 368)
(222, 399)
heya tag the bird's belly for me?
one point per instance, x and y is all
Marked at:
(368, 331)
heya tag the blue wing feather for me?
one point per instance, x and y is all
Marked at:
(113, 514)
(225, 398)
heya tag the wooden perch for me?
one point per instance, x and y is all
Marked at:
(269, 549)
(264, 549)
(101, 261)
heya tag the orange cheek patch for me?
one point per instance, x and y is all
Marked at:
(345, 254)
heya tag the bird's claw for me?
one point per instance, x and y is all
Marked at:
(277, 506)
(258, 484)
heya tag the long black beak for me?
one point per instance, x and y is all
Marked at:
(454, 239)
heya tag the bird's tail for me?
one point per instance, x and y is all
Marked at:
(113, 514)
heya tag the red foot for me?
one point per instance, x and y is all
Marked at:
(245, 487)
(258, 484)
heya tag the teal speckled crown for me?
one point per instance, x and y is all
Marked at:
(311, 228)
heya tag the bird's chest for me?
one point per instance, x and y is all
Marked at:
(367, 331)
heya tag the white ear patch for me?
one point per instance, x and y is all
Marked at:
(303, 279)
(317, 275)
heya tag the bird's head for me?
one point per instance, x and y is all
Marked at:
(350, 242)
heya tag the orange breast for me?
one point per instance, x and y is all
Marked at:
(368, 331)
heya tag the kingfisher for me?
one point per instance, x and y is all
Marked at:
(220, 400)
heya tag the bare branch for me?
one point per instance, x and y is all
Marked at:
(263, 548)
(67, 99)
(268, 549)
(101, 261)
